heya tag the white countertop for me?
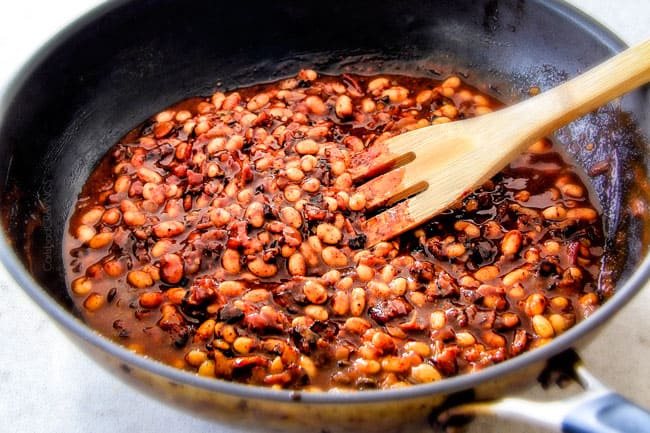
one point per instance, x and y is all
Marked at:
(48, 385)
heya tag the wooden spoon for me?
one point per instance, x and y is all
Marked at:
(444, 163)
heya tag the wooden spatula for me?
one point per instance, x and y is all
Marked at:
(444, 163)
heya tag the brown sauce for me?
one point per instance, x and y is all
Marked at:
(223, 237)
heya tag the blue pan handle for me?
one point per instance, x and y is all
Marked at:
(608, 413)
(595, 410)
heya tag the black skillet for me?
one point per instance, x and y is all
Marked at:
(125, 60)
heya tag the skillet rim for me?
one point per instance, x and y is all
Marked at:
(75, 326)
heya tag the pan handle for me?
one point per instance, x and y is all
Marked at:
(607, 414)
(596, 410)
(601, 410)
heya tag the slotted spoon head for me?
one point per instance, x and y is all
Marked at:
(446, 162)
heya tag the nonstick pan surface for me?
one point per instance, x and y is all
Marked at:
(571, 71)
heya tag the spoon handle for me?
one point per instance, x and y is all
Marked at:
(555, 108)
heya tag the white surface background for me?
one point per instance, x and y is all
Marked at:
(48, 385)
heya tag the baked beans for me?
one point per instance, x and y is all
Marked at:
(223, 236)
